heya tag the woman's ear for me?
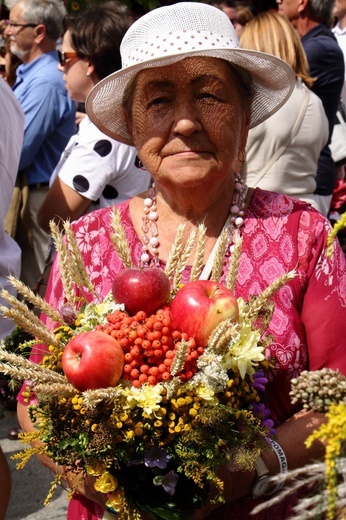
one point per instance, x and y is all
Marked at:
(90, 69)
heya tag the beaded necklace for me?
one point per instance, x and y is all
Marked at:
(150, 217)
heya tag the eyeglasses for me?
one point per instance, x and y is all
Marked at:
(13, 24)
(64, 56)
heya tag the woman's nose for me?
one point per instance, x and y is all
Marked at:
(186, 120)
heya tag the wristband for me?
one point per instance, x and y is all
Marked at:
(280, 454)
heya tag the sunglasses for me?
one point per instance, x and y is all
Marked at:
(64, 56)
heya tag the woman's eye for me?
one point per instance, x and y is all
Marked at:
(159, 100)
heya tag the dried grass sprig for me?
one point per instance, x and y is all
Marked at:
(119, 239)
(258, 302)
(21, 368)
(91, 398)
(199, 257)
(65, 273)
(220, 256)
(36, 300)
(183, 259)
(27, 319)
(233, 266)
(80, 275)
(175, 252)
(311, 474)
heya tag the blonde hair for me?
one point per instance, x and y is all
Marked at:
(272, 33)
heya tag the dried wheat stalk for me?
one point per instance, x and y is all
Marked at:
(27, 319)
(35, 300)
(258, 302)
(21, 368)
(119, 239)
(199, 257)
(175, 252)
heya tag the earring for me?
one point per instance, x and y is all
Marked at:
(88, 73)
(241, 155)
(139, 164)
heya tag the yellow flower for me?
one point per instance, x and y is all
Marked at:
(96, 469)
(115, 500)
(106, 483)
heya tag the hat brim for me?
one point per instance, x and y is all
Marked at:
(273, 81)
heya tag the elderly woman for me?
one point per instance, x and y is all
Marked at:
(186, 97)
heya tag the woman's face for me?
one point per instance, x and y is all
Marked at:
(76, 70)
(187, 121)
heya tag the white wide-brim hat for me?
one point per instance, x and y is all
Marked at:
(170, 34)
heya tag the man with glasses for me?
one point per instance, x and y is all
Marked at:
(33, 29)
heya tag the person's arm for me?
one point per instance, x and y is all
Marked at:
(41, 109)
(61, 202)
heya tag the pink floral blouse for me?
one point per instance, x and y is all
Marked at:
(280, 234)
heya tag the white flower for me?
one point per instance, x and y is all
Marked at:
(147, 397)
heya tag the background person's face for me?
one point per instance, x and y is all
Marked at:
(78, 83)
(289, 8)
(21, 38)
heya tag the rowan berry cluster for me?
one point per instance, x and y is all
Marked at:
(150, 345)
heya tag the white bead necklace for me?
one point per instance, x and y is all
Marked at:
(150, 218)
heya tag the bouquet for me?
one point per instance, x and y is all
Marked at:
(141, 389)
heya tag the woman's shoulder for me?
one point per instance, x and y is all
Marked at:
(269, 203)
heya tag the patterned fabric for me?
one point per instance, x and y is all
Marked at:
(280, 234)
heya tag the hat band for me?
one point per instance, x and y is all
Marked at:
(175, 43)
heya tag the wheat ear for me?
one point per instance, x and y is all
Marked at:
(175, 252)
(21, 368)
(258, 302)
(27, 319)
(79, 273)
(233, 266)
(47, 391)
(63, 255)
(198, 262)
(35, 300)
(119, 239)
(183, 258)
(220, 256)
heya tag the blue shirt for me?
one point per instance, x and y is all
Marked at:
(326, 62)
(49, 116)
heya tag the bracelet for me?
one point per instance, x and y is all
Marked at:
(280, 454)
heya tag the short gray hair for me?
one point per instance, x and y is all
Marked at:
(322, 9)
(50, 13)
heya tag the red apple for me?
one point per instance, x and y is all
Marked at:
(93, 360)
(145, 289)
(199, 306)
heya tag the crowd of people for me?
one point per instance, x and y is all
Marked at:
(252, 105)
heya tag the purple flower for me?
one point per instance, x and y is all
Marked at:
(156, 457)
(260, 411)
(68, 314)
(259, 381)
(168, 482)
